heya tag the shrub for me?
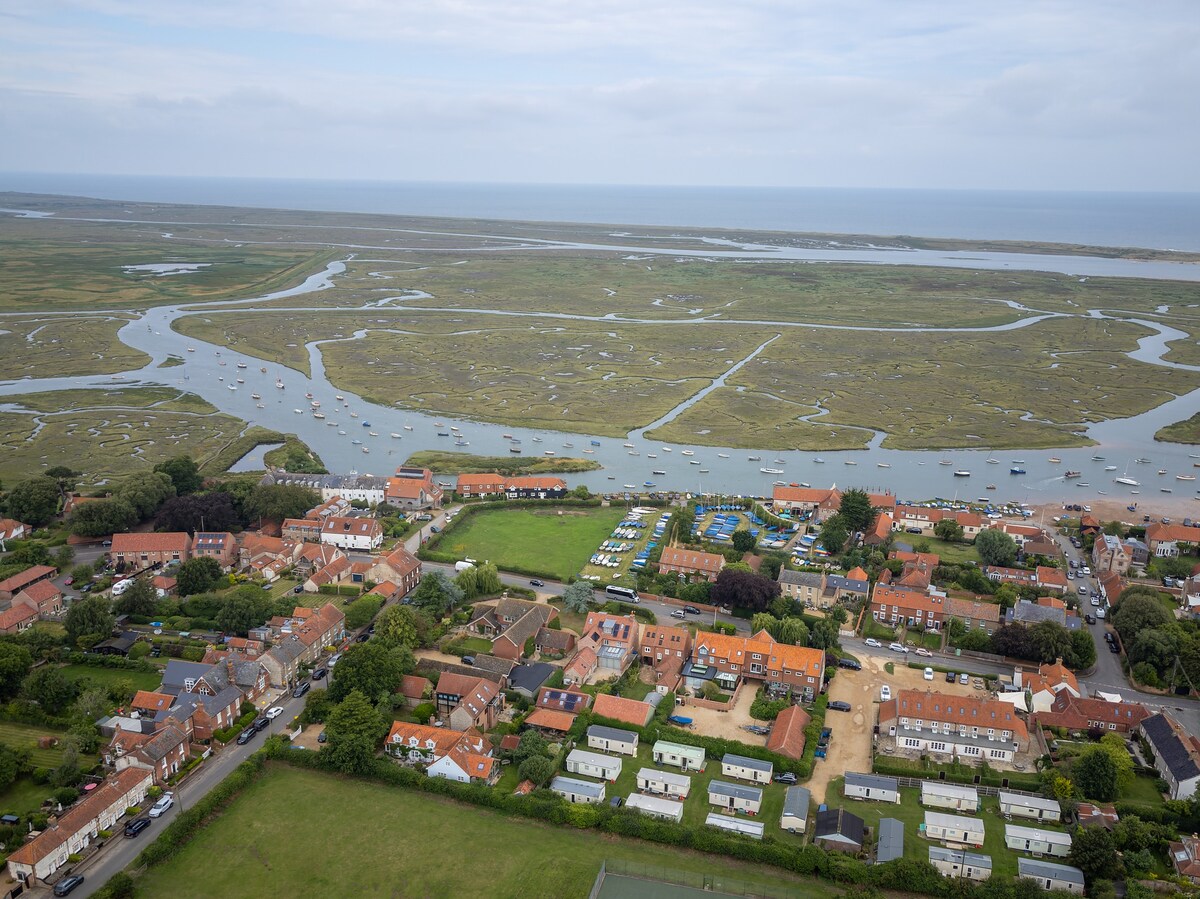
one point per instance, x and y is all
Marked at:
(424, 712)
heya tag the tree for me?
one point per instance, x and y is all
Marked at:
(488, 579)
(468, 582)
(824, 635)
(372, 669)
(538, 769)
(744, 541)
(949, 530)
(742, 589)
(352, 731)
(15, 662)
(13, 763)
(1094, 852)
(976, 640)
(764, 621)
(1048, 640)
(91, 705)
(184, 474)
(580, 491)
(1095, 774)
(437, 593)
(577, 597)
(360, 613)
(275, 502)
(834, 534)
(197, 575)
(1083, 650)
(996, 547)
(89, 620)
(145, 491)
(1010, 640)
(102, 518)
(138, 599)
(531, 745)
(33, 501)
(856, 511)
(397, 626)
(49, 688)
(695, 592)
(793, 631)
(197, 512)
(1114, 745)
(244, 608)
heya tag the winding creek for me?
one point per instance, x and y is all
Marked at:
(720, 469)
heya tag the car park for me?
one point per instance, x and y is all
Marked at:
(274, 712)
(885, 693)
(871, 641)
(167, 800)
(247, 735)
(64, 886)
(136, 826)
(838, 706)
(898, 647)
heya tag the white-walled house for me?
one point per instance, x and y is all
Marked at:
(871, 786)
(656, 807)
(735, 797)
(682, 756)
(577, 790)
(960, 863)
(612, 739)
(743, 768)
(796, 802)
(1050, 876)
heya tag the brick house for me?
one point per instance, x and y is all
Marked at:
(781, 667)
(10, 529)
(163, 753)
(413, 488)
(461, 756)
(974, 613)
(905, 606)
(510, 624)
(691, 563)
(961, 726)
(11, 586)
(551, 642)
(468, 701)
(20, 617)
(305, 530)
(145, 550)
(661, 643)
(219, 545)
(470, 485)
(399, 567)
(1077, 713)
(43, 597)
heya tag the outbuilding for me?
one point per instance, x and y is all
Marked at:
(742, 768)
(839, 830)
(735, 797)
(753, 829)
(593, 764)
(953, 829)
(936, 794)
(574, 790)
(871, 786)
(1050, 876)
(656, 807)
(891, 840)
(666, 783)
(686, 758)
(612, 739)
(1036, 841)
(960, 863)
(796, 801)
(1037, 808)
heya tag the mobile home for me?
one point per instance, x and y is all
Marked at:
(752, 829)
(742, 768)
(953, 829)
(871, 786)
(936, 794)
(656, 807)
(611, 739)
(666, 783)
(593, 764)
(577, 790)
(1036, 841)
(796, 801)
(1037, 808)
(960, 863)
(686, 758)
(735, 797)
(1050, 876)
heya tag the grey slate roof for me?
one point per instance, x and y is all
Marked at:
(163, 742)
(578, 787)
(737, 791)
(178, 671)
(874, 781)
(1028, 867)
(891, 840)
(611, 733)
(796, 801)
(800, 578)
(286, 651)
(529, 678)
(1168, 747)
(1032, 613)
(742, 762)
(960, 857)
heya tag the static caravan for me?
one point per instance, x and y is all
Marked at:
(1050, 876)
(1036, 841)
(656, 807)
(611, 739)
(891, 841)
(1036, 808)
(742, 768)
(871, 786)
(735, 797)
(577, 790)
(960, 863)
(796, 801)
(666, 783)
(936, 794)
(593, 764)
(686, 758)
(737, 825)
(953, 829)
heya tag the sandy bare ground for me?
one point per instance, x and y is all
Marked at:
(1178, 505)
(727, 724)
(307, 738)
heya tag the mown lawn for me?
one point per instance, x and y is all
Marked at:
(417, 845)
(23, 797)
(26, 736)
(106, 677)
(532, 540)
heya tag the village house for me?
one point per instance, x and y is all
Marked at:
(880, 530)
(400, 568)
(11, 586)
(260, 550)
(1185, 856)
(809, 502)
(1047, 608)
(43, 597)
(20, 617)
(306, 530)
(908, 606)
(962, 726)
(361, 534)
(163, 754)
(1176, 754)
(563, 700)
(476, 485)
(219, 545)
(11, 529)
(923, 520)
(1091, 815)
(415, 689)
(552, 722)
(689, 563)
(1046, 683)
(1077, 713)
(608, 645)
(618, 708)
(782, 668)
(974, 613)
(510, 624)
(282, 662)
(73, 832)
(1165, 540)
(528, 487)
(362, 488)
(1110, 554)
(465, 757)
(660, 643)
(468, 701)
(337, 506)
(802, 586)
(413, 488)
(553, 643)
(144, 550)
(851, 587)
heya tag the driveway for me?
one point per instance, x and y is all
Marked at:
(727, 725)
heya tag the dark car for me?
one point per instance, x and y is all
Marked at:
(136, 826)
(617, 801)
(64, 886)
(299, 588)
(434, 530)
(262, 723)
(838, 706)
(1113, 648)
(321, 738)
(949, 677)
(247, 735)
(468, 660)
(691, 610)
(362, 638)
(301, 689)
(851, 664)
(536, 583)
(787, 777)
(319, 674)
(1090, 619)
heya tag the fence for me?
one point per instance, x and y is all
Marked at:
(984, 789)
(629, 871)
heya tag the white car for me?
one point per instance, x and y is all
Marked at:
(871, 641)
(922, 651)
(1095, 600)
(274, 712)
(897, 647)
(167, 800)
(928, 674)
(885, 693)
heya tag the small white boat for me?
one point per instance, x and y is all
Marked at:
(634, 453)
(819, 460)
(232, 386)
(261, 405)
(1185, 477)
(989, 462)
(372, 434)
(1054, 460)
(318, 415)
(667, 449)
(586, 452)
(948, 462)
(962, 473)
(722, 455)
(693, 461)
(883, 464)
(849, 462)
(771, 470)
(1110, 468)
(395, 436)
(354, 415)
(338, 397)
(255, 396)
(651, 455)
(279, 384)
(366, 449)
(315, 404)
(629, 486)
(408, 427)
(241, 365)
(684, 453)
(191, 349)
(298, 411)
(551, 453)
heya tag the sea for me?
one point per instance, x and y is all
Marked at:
(1161, 221)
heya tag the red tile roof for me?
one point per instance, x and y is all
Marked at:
(170, 541)
(42, 591)
(787, 735)
(550, 719)
(965, 710)
(692, 560)
(618, 708)
(21, 578)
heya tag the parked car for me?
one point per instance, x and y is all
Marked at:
(617, 801)
(136, 826)
(1114, 648)
(838, 706)
(679, 613)
(691, 610)
(70, 580)
(434, 529)
(928, 674)
(261, 723)
(299, 588)
(787, 777)
(964, 679)
(536, 583)
(871, 641)
(319, 674)
(898, 647)
(247, 735)
(468, 660)
(922, 651)
(64, 886)
(301, 689)
(164, 803)
(1090, 618)
(950, 676)
(850, 664)
(274, 712)
(885, 693)
(362, 638)
(321, 738)
(334, 659)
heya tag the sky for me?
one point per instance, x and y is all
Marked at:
(1005, 94)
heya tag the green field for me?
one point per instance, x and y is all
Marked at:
(541, 540)
(138, 680)
(24, 796)
(440, 462)
(26, 736)
(422, 846)
(951, 553)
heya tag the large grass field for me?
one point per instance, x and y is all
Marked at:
(26, 736)
(302, 833)
(541, 540)
(24, 796)
(139, 680)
